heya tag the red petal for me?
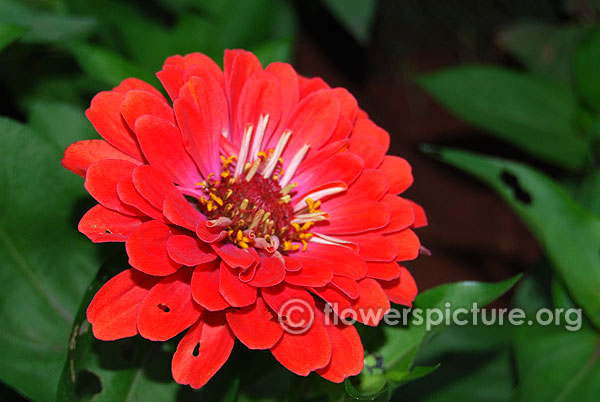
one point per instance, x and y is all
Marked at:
(205, 286)
(402, 290)
(312, 123)
(171, 78)
(341, 260)
(147, 249)
(177, 69)
(198, 69)
(178, 211)
(269, 272)
(153, 185)
(314, 273)
(240, 65)
(202, 351)
(105, 115)
(371, 185)
(101, 224)
(130, 196)
(234, 256)
(248, 274)
(407, 244)
(303, 353)
(353, 217)
(317, 156)
(168, 308)
(139, 103)
(337, 300)
(420, 217)
(129, 84)
(153, 133)
(255, 326)
(293, 304)
(372, 303)
(310, 85)
(370, 142)
(348, 110)
(347, 353)
(344, 167)
(347, 285)
(383, 270)
(189, 251)
(202, 115)
(361, 114)
(398, 172)
(209, 233)
(342, 130)
(374, 247)
(401, 210)
(288, 82)
(80, 155)
(291, 264)
(101, 182)
(113, 311)
(236, 292)
(260, 95)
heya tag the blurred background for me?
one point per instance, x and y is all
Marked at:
(56, 54)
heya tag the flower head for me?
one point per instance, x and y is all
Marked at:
(248, 205)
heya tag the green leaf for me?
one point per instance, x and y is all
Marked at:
(467, 378)
(525, 110)
(560, 295)
(543, 48)
(73, 125)
(402, 343)
(402, 377)
(555, 364)
(569, 234)
(126, 370)
(134, 369)
(588, 193)
(107, 66)
(585, 74)
(217, 25)
(46, 264)
(355, 15)
(10, 33)
(44, 27)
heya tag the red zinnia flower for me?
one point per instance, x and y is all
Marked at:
(255, 188)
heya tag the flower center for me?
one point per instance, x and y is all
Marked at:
(254, 209)
(251, 197)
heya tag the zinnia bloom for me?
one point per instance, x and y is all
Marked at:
(253, 188)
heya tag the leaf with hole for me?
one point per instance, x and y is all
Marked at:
(569, 234)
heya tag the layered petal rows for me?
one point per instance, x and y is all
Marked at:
(248, 190)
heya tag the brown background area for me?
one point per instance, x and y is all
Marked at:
(473, 234)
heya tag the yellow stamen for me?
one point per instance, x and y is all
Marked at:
(216, 199)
